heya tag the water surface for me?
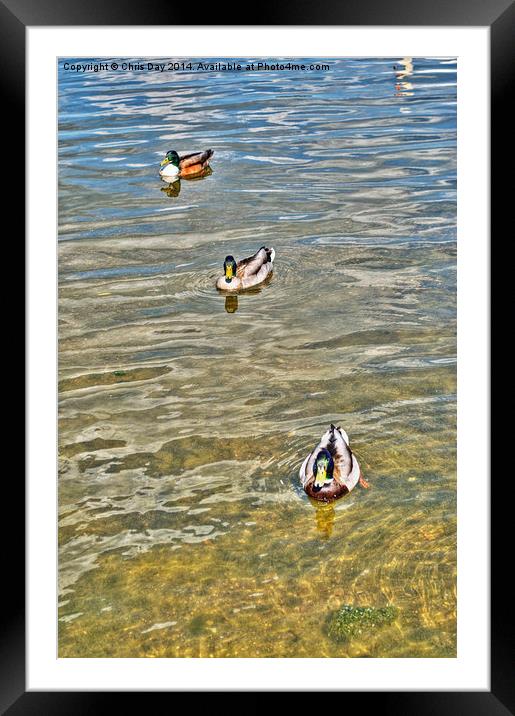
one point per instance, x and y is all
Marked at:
(183, 418)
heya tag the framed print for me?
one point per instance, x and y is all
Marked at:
(258, 324)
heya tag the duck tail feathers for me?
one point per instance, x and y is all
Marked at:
(343, 434)
(270, 253)
(333, 435)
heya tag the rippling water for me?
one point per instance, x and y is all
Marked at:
(184, 418)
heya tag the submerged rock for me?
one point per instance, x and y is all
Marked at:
(350, 621)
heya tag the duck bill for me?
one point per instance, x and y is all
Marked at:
(321, 477)
(228, 273)
(165, 162)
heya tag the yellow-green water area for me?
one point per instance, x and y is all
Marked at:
(261, 579)
(207, 546)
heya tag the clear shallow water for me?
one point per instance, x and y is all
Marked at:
(183, 531)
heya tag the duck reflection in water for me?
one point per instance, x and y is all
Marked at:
(231, 304)
(324, 516)
(231, 301)
(174, 189)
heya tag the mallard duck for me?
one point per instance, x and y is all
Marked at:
(331, 470)
(173, 166)
(248, 272)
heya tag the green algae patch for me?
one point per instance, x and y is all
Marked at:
(90, 380)
(197, 625)
(350, 621)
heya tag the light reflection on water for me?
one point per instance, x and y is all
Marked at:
(185, 414)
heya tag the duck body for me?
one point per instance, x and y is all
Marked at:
(331, 469)
(248, 272)
(174, 167)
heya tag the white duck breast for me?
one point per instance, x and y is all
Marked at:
(169, 173)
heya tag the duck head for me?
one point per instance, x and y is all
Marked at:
(323, 470)
(229, 268)
(171, 158)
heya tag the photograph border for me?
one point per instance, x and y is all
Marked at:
(15, 17)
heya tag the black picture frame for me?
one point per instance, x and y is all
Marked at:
(499, 16)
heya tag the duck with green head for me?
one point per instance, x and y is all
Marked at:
(173, 166)
(248, 272)
(331, 469)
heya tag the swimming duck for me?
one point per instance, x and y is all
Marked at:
(173, 166)
(331, 470)
(248, 272)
